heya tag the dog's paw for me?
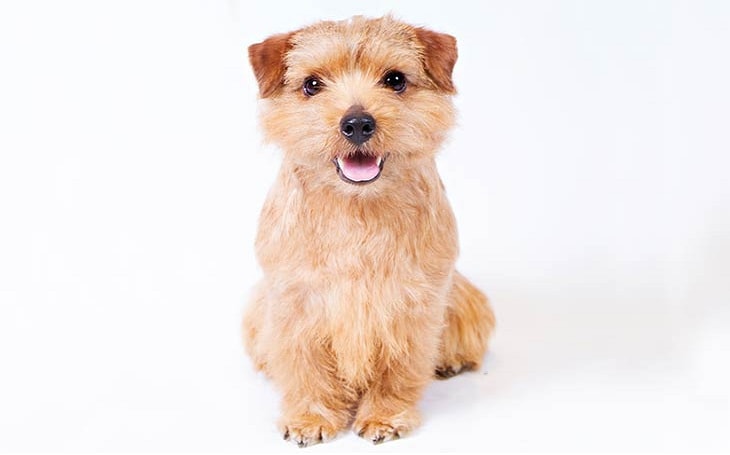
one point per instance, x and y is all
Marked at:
(379, 432)
(308, 430)
(378, 429)
(446, 371)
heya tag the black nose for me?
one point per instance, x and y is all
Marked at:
(357, 126)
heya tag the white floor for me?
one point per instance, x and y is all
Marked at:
(588, 174)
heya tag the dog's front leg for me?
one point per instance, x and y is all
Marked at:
(388, 409)
(316, 404)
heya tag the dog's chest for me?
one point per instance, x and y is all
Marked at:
(366, 240)
(361, 243)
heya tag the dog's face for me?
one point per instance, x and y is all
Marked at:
(356, 104)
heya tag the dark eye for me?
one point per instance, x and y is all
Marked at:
(395, 80)
(312, 86)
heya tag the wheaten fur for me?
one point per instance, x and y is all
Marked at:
(360, 304)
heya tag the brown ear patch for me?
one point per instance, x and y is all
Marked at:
(439, 52)
(267, 60)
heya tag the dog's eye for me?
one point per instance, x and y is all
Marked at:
(312, 86)
(395, 80)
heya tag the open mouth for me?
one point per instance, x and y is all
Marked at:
(359, 168)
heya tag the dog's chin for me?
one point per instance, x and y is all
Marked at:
(359, 168)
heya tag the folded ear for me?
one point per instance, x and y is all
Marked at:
(267, 60)
(439, 54)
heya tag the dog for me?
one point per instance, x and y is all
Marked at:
(360, 305)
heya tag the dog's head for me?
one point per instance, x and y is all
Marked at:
(356, 100)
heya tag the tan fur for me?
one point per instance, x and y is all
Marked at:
(360, 303)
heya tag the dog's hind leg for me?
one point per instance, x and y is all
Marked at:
(469, 323)
(253, 321)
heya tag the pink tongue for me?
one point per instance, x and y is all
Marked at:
(360, 168)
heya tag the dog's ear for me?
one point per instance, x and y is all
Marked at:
(267, 60)
(439, 54)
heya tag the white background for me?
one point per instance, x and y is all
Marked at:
(588, 174)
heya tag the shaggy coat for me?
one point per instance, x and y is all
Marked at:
(360, 304)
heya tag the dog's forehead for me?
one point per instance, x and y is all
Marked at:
(329, 49)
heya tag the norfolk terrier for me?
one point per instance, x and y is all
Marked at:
(360, 305)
